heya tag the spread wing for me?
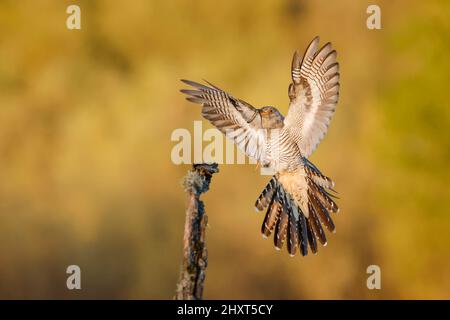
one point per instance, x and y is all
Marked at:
(314, 93)
(237, 119)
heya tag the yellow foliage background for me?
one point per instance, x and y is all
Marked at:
(85, 123)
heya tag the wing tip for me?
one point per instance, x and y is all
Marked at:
(314, 43)
(194, 84)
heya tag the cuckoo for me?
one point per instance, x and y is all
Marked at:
(299, 199)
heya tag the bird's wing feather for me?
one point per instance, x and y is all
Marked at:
(237, 119)
(315, 84)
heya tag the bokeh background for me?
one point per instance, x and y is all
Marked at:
(85, 123)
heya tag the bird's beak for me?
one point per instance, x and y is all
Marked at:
(263, 113)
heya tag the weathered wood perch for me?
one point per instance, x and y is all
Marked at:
(195, 256)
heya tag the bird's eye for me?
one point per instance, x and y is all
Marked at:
(270, 111)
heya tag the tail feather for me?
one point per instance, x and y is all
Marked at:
(323, 196)
(323, 213)
(281, 229)
(303, 233)
(293, 235)
(286, 219)
(272, 215)
(266, 195)
(311, 237)
(283, 222)
(317, 176)
(317, 226)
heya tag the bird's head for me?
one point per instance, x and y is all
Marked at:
(271, 118)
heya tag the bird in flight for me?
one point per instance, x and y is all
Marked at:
(299, 198)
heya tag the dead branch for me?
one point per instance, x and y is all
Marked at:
(195, 256)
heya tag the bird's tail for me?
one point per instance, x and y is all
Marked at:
(286, 219)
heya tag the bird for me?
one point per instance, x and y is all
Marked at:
(299, 200)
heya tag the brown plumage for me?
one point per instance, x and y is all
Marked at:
(293, 235)
(279, 236)
(272, 215)
(285, 219)
(298, 199)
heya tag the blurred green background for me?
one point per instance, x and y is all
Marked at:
(85, 123)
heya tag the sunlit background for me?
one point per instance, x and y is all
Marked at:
(86, 118)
